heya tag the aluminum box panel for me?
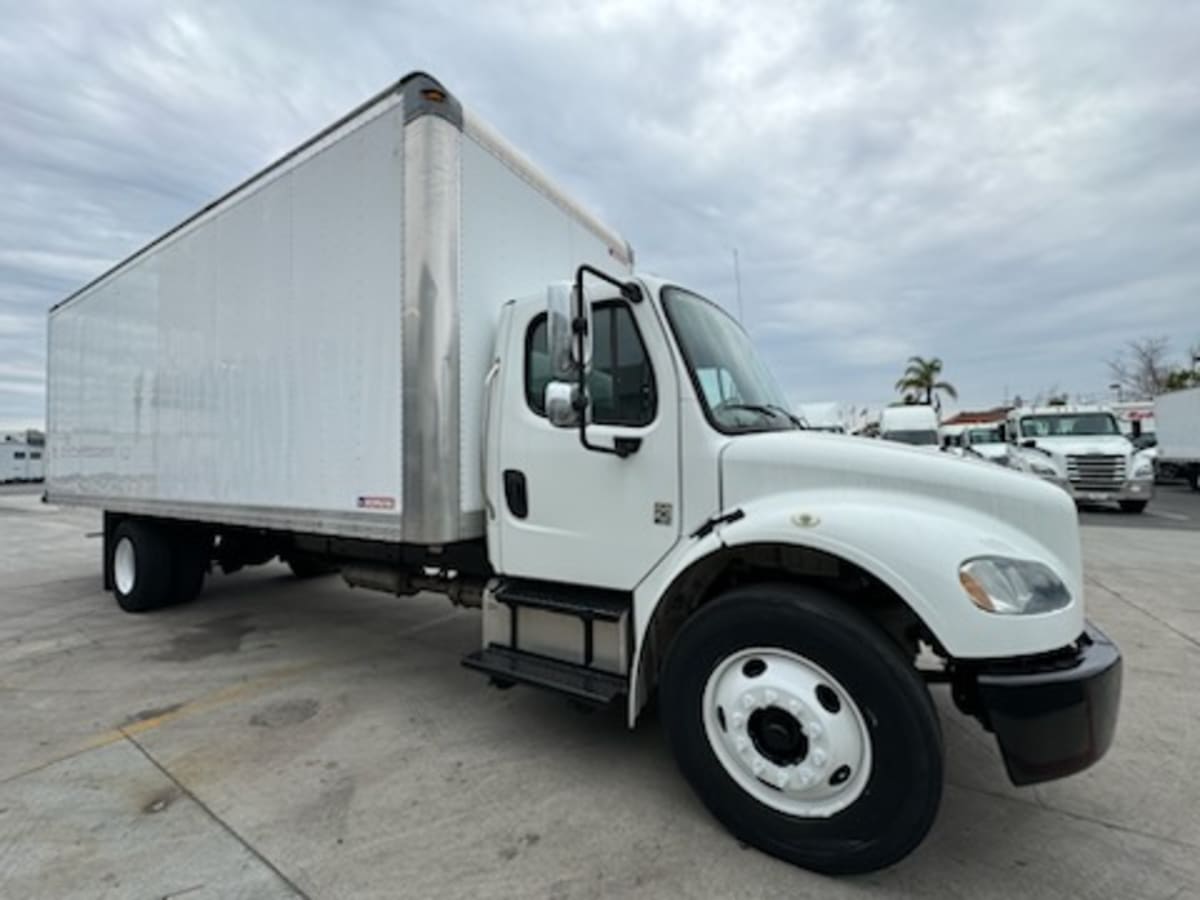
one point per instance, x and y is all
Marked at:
(252, 359)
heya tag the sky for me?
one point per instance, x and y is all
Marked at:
(1011, 186)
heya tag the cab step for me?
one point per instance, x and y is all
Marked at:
(578, 682)
(596, 604)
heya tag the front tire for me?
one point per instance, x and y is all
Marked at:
(803, 729)
(1133, 506)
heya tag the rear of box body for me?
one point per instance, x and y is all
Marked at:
(1177, 424)
(308, 352)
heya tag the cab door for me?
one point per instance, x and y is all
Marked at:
(569, 514)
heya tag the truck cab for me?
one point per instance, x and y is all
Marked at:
(1082, 450)
(986, 441)
(722, 556)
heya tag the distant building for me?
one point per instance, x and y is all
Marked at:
(979, 417)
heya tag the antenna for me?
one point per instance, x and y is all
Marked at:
(737, 277)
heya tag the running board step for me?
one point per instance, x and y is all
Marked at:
(587, 603)
(579, 682)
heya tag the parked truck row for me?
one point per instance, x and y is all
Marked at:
(440, 373)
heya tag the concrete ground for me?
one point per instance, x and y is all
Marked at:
(280, 739)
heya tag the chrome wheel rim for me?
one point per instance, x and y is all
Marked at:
(787, 732)
(124, 565)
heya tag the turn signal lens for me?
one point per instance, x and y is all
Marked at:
(975, 591)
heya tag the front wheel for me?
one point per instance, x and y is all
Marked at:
(1133, 506)
(803, 729)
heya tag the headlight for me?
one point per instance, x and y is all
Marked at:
(1045, 469)
(1012, 586)
(1143, 468)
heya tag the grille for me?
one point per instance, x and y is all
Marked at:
(1095, 471)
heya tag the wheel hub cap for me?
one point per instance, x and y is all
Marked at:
(778, 735)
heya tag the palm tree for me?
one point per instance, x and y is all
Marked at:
(921, 377)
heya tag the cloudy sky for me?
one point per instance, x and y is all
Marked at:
(1011, 186)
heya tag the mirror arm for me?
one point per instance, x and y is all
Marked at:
(622, 447)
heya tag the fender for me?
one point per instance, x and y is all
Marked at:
(913, 544)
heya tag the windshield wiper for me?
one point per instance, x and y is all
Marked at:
(795, 419)
(767, 409)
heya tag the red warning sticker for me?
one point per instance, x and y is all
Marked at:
(376, 502)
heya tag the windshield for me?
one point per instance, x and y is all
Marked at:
(1069, 425)
(984, 436)
(911, 436)
(738, 392)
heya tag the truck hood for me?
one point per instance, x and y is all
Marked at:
(834, 469)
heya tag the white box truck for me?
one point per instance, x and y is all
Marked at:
(1177, 415)
(401, 353)
(915, 424)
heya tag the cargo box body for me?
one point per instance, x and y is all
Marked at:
(1177, 425)
(308, 352)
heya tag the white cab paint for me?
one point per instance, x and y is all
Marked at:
(592, 521)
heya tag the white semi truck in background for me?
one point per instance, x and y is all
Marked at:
(1083, 450)
(1177, 417)
(444, 375)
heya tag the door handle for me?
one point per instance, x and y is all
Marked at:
(516, 494)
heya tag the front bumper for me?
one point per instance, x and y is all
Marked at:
(1052, 715)
(1139, 489)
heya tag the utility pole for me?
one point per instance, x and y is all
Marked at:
(737, 277)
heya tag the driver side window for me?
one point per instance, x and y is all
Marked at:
(621, 384)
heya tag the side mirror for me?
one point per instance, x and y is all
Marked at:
(566, 317)
(562, 406)
(1029, 442)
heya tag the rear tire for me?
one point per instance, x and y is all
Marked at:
(1133, 506)
(191, 551)
(778, 787)
(141, 566)
(306, 566)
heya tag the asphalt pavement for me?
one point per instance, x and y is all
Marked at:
(280, 738)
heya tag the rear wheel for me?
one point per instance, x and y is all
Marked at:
(191, 551)
(1133, 506)
(141, 566)
(803, 729)
(305, 566)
